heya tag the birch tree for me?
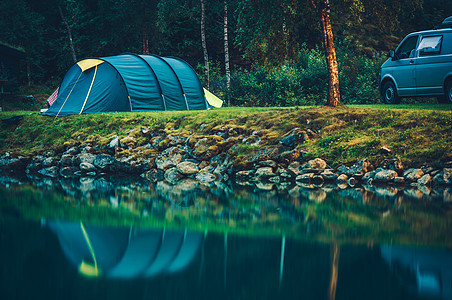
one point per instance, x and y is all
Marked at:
(204, 44)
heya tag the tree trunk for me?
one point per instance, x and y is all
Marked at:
(226, 47)
(333, 97)
(144, 30)
(71, 44)
(204, 45)
(334, 271)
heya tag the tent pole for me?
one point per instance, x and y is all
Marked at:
(89, 91)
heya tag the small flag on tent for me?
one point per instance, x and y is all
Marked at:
(53, 97)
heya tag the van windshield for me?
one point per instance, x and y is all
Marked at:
(407, 48)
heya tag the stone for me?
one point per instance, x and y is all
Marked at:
(264, 186)
(128, 141)
(106, 163)
(71, 151)
(396, 165)
(342, 179)
(49, 171)
(447, 173)
(66, 160)
(207, 147)
(187, 168)
(244, 175)
(114, 142)
(317, 180)
(172, 175)
(264, 172)
(399, 180)
(385, 176)
(288, 156)
(328, 176)
(285, 176)
(316, 164)
(83, 157)
(368, 175)
(203, 164)
(154, 175)
(412, 175)
(268, 163)
(68, 171)
(295, 168)
(263, 154)
(351, 181)
(425, 180)
(175, 140)
(49, 162)
(306, 178)
(361, 167)
(275, 179)
(205, 177)
(169, 158)
(293, 138)
(87, 167)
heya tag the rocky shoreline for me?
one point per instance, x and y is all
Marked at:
(165, 155)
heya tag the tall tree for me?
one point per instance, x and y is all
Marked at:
(204, 45)
(69, 32)
(323, 9)
(226, 46)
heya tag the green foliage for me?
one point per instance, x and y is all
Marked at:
(305, 82)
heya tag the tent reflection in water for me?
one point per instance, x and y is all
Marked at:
(130, 82)
(126, 252)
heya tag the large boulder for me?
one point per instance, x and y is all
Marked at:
(293, 138)
(83, 158)
(187, 168)
(361, 167)
(106, 163)
(444, 177)
(315, 164)
(169, 158)
(205, 177)
(49, 172)
(172, 175)
(385, 176)
(412, 175)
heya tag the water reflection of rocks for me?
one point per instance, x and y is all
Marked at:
(248, 200)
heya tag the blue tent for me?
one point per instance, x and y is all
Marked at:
(128, 82)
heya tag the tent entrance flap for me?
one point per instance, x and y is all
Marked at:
(89, 63)
(212, 99)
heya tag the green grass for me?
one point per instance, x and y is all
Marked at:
(417, 133)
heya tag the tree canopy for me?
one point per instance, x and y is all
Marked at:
(266, 33)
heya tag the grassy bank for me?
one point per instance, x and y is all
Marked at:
(416, 133)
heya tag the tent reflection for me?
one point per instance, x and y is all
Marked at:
(126, 252)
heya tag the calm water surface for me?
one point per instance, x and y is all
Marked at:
(126, 238)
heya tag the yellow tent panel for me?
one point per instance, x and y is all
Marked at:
(89, 63)
(212, 99)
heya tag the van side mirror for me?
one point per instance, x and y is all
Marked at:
(392, 55)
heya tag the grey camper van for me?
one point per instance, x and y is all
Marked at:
(420, 66)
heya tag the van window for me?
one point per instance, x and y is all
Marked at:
(406, 49)
(430, 45)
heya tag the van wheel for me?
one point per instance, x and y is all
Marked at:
(390, 94)
(448, 95)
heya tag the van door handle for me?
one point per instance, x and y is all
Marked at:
(411, 61)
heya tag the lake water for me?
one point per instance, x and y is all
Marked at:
(126, 238)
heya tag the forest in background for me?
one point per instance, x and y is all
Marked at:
(275, 46)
